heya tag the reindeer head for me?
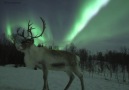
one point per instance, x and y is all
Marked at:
(23, 42)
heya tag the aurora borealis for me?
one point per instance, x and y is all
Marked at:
(92, 24)
(86, 13)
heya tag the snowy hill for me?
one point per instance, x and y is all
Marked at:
(26, 79)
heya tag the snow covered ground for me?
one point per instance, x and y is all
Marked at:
(26, 79)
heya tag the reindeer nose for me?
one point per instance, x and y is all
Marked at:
(19, 48)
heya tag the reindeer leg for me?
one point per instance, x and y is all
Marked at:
(71, 78)
(45, 75)
(78, 72)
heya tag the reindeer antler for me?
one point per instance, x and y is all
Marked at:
(44, 26)
(29, 30)
(21, 34)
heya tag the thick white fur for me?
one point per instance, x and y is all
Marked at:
(36, 56)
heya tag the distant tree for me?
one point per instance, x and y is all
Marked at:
(123, 61)
(100, 58)
(71, 48)
(83, 53)
(9, 54)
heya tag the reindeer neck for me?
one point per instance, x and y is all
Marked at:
(31, 49)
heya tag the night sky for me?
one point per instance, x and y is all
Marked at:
(97, 25)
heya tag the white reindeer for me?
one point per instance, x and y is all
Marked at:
(47, 59)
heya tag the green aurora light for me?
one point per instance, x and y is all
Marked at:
(106, 25)
(86, 13)
(8, 32)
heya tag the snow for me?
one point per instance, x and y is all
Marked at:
(23, 78)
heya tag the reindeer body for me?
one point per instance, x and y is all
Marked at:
(54, 60)
(47, 59)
